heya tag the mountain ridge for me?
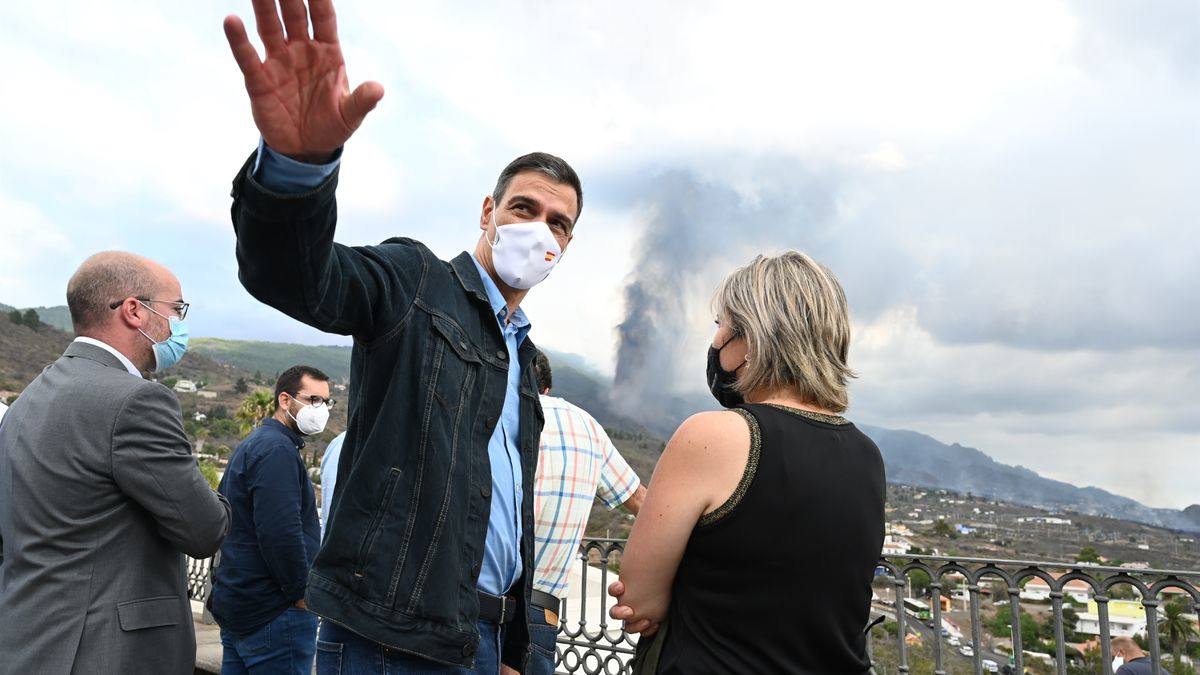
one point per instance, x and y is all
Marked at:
(911, 457)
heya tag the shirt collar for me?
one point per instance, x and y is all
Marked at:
(499, 306)
(111, 350)
(288, 431)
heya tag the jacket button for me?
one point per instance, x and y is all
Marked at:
(502, 354)
(462, 343)
(486, 489)
(476, 569)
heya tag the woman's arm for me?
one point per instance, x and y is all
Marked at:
(699, 470)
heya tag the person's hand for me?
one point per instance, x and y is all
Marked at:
(505, 670)
(625, 613)
(301, 604)
(299, 95)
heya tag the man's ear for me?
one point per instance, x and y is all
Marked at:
(485, 212)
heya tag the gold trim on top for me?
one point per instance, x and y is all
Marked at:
(747, 475)
(815, 416)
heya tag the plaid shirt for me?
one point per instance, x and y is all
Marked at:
(577, 463)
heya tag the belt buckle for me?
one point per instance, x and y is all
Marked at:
(504, 609)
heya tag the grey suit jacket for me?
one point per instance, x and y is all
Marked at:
(100, 497)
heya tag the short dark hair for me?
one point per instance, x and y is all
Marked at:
(555, 168)
(289, 380)
(541, 371)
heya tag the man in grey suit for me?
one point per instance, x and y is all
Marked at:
(100, 496)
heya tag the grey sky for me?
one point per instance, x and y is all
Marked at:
(1007, 192)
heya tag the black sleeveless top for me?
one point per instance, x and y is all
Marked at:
(778, 578)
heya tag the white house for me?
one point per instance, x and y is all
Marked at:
(895, 545)
(1125, 618)
(1037, 589)
(185, 387)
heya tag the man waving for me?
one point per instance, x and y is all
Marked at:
(426, 562)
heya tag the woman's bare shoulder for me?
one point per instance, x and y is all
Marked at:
(710, 433)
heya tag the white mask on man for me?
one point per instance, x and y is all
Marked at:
(311, 419)
(523, 254)
(1117, 663)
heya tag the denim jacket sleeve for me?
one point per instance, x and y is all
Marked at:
(287, 259)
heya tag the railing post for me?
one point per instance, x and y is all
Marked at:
(935, 603)
(1151, 606)
(1018, 645)
(1105, 635)
(1060, 649)
(901, 622)
(977, 660)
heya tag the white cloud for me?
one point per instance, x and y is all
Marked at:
(29, 237)
(1006, 190)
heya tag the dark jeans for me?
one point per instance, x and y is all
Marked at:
(542, 636)
(341, 651)
(285, 645)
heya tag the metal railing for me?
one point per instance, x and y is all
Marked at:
(591, 643)
(199, 581)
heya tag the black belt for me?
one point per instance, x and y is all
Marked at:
(544, 600)
(497, 608)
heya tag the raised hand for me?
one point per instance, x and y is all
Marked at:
(299, 95)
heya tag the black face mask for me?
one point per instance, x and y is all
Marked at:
(720, 381)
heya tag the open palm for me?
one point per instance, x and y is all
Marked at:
(299, 95)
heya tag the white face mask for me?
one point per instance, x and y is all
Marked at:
(1117, 663)
(311, 419)
(524, 253)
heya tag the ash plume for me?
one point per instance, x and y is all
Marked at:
(699, 230)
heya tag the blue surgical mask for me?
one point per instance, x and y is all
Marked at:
(168, 352)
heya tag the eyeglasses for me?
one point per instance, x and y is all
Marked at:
(181, 308)
(313, 400)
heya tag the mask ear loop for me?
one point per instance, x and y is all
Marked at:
(495, 225)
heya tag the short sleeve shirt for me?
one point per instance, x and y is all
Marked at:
(577, 462)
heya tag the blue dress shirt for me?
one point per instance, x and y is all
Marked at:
(329, 464)
(502, 548)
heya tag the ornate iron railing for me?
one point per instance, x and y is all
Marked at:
(591, 643)
(199, 580)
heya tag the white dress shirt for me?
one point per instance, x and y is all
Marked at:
(108, 348)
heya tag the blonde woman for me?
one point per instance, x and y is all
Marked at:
(762, 526)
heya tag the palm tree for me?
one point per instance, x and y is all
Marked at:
(1177, 628)
(256, 407)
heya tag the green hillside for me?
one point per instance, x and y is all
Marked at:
(57, 316)
(270, 358)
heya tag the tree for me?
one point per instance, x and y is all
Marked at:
(201, 436)
(31, 319)
(919, 581)
(16, 317)
(254, 408)
(1030, 633)
(240, 386)
(943, 529)
(222, 451)
(209, 471)
(1088, 554)
(1176, 628)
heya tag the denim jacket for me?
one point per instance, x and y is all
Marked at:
(404, 544)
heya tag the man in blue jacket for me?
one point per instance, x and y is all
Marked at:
(260, 578)
(426, 562)
(426, 565)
